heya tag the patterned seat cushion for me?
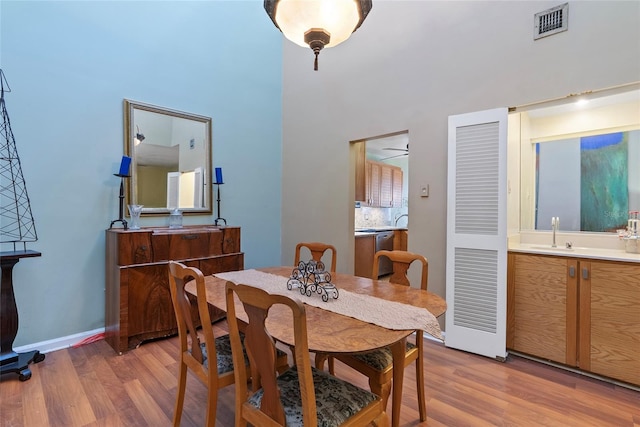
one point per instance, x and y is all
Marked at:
(381, 358)
(337, 400)
(224, 355)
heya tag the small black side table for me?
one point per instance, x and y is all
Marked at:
(10, 361)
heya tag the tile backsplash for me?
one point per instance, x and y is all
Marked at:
(376, 217)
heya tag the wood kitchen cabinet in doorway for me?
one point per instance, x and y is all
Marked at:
(366, 247)
(379, 185)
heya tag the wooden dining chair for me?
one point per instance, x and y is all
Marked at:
(377, 365)
(301, 396)
(317, 250)
(194, 354)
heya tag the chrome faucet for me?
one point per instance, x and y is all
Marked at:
(398, 218)
(555, 224)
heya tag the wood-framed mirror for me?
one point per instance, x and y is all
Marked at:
(170, 154)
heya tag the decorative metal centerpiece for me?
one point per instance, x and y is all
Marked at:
(311, 277)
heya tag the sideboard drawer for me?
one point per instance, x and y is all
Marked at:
(232, 262)
(133, 248)
(185, 245)
(231, 242)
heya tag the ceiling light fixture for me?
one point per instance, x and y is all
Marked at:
(317, 23)
(139, 136)
(582, 102)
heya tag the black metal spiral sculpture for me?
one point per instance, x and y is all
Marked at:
(311, 277)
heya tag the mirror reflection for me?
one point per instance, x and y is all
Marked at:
(591, 182)
(580, 161)
(171, 158)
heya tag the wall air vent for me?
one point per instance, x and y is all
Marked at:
(551, 21)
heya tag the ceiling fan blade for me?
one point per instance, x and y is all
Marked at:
(406, 150)
(397, 155)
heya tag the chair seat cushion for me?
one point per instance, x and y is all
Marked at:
(336, 400)
(224, 356)
(381, 358)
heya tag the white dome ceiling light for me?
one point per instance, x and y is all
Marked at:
(317, 23)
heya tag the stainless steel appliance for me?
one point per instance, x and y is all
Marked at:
(384, 241)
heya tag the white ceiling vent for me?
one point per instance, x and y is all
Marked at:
(551, 21)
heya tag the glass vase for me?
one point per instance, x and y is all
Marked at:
(175, 219)
(134, 212)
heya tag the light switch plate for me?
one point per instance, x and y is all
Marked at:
(424, 191)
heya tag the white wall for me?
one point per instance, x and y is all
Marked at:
(410, 66)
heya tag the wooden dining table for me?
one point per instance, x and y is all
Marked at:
(330, 332)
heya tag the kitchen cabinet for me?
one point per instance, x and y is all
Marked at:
(579, 312)
(400, 240)
(609, 340)
(396, 200)
(366, 245)
(382, 185)
(361, 171)
(365, 249)
(373, 184)
(138, 302)
(386, 186)
(542, 304)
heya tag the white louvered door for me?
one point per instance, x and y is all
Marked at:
(173, 190)
(477, 233)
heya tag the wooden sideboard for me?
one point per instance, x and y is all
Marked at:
(138, 303)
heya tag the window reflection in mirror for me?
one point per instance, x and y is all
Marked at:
(591, 182)
(581, 163)
(171, 158)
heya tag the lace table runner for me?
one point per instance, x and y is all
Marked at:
(381, 312)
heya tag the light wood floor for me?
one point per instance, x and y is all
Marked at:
(92, 386)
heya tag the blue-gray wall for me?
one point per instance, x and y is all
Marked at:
(410, 66)
(69, 65)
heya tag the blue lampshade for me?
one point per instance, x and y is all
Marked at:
(125, 164)
(218, 176)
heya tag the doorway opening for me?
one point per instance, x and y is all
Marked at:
(381, 195)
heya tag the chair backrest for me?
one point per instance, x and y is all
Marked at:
(261, 351)
(317, 250)
(401, 261)
(179, 275)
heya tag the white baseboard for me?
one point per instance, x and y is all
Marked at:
(58, 343)
(70, 340)
(429, 337)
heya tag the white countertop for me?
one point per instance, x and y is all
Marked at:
(377, 229)
(576, 252)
